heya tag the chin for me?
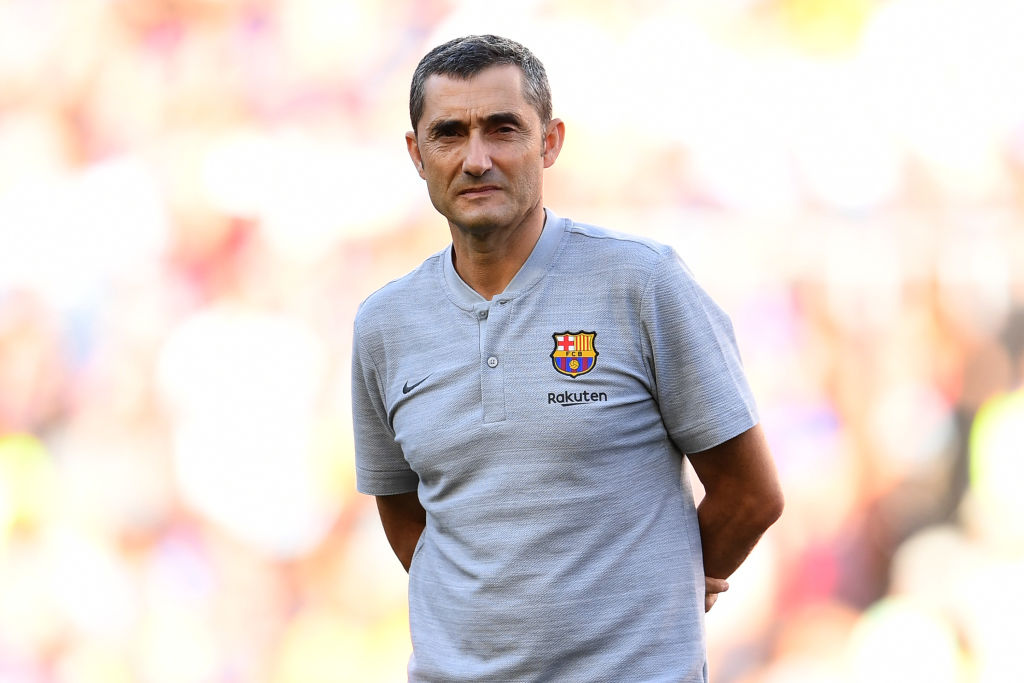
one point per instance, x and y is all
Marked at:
(480, 222)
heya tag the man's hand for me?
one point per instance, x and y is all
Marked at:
(712, 587)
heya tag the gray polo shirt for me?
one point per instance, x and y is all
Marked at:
(544, 431)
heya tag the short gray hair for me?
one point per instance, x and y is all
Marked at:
(467, 56)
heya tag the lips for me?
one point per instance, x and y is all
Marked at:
(482, 189)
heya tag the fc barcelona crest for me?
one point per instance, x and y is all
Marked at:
(574, 352)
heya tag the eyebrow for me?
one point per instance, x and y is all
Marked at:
(503, 117)
(447, 126)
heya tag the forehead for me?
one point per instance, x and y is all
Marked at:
(495, 89)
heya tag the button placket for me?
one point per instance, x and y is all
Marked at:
(492, 377)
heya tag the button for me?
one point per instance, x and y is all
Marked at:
(482, 314)
(492, 362)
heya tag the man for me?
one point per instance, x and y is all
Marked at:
(522, 404)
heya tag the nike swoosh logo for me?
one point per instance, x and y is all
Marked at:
(409, 387)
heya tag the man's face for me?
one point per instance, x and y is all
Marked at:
(481, 148)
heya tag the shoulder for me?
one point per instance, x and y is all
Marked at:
(623, 243)
(631, 268)
(595, 247)
(400, 296)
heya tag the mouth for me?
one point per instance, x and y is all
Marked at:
(478, 191)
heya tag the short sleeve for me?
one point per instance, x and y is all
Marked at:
(381, 467)
(695, 365)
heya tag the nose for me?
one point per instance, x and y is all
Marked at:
(478, 158)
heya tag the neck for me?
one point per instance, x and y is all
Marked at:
(488, 261)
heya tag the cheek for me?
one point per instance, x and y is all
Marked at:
(435, 190)
(529, 176)
(436, 180)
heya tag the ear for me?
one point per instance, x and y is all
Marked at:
(554, 136)
(414, 153)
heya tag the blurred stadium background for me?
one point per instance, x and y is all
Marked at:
(196, 194)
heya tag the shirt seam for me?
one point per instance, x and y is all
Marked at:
(646, 340)
(580, 229)
(361, 348)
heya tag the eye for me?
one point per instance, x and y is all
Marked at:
(446, 131)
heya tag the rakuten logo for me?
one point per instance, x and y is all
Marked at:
(575, 398)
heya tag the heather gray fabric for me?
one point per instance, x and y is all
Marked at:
(561, 540)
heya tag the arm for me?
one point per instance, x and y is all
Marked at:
(381, 467)
(742, 499)
(403, 519)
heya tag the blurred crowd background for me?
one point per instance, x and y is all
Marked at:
(195, 195)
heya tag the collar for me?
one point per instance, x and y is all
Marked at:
(529, 274)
